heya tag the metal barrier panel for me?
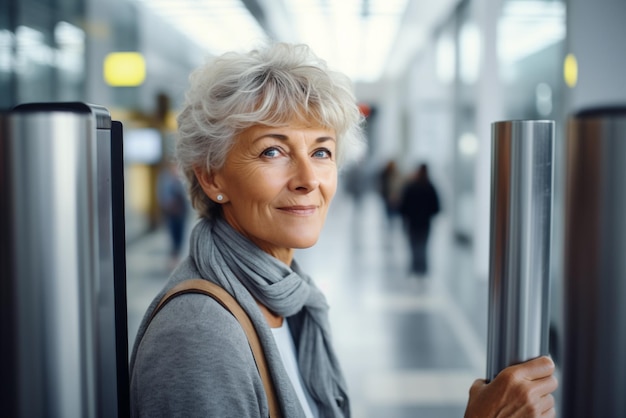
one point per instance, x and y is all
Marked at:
(594, 360)
(61, 270)
(521, 215)
(50, 176)
(119, 269)
(105, 291)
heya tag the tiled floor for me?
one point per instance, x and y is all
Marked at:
(408, 348)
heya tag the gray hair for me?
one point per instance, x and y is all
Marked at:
(269, 86)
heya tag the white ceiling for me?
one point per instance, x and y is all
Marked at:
(366, 39)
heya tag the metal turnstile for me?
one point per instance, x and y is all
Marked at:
(521, 219)
(63, 321)
(594, 292)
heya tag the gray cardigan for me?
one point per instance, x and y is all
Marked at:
(193, 360)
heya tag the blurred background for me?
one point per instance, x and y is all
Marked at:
(430, 77)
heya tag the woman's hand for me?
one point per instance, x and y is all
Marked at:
(523, 390)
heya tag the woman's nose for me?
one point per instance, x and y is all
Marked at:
(305, 177)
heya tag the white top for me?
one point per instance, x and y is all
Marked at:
(287, 349)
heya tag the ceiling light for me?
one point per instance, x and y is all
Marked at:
(218, 25)
(353, 36)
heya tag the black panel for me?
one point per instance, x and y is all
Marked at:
(119, 268)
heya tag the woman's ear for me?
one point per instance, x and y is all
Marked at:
(209, 185)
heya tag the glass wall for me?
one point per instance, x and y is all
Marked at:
(531, 49)
(467, 56)
(42, 51)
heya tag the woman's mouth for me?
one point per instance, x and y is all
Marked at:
(299, 210)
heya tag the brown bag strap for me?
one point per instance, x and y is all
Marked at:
(230, 304)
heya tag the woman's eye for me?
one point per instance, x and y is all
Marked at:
(271, 152)
(322, 153)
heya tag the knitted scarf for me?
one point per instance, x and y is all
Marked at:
(229, 259)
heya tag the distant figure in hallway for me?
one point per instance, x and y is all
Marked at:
(172, 198)
(356, 182)
(390, 186)
(418, 205)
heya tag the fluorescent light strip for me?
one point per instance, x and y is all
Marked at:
(336, 30)
(219, 26)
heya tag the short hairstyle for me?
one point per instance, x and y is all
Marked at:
(267, 86)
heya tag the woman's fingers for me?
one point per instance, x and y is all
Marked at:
(546, 406)
(537, 368)
(523, 390)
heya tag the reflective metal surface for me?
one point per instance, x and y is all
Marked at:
(594, 359)
(63, 262)
(51, 224)
(521, 214)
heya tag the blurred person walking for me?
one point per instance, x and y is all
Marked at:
(419, 203)
(356, 183)
(390, 187)
(172, 199)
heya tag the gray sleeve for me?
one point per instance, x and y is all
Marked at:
(194, 361)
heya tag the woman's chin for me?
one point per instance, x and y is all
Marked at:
(303, 241)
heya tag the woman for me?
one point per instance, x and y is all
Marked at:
(261, 137)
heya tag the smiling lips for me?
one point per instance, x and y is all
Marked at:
(299, 210)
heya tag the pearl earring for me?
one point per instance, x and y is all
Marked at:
(220, 197)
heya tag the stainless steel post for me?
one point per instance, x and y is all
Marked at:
(521, 214)
(49, 224)
(594, 282)
(58, 261)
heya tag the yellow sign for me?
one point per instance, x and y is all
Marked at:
(124, 69)
(570, 70)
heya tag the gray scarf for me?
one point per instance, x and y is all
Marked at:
(224, 256)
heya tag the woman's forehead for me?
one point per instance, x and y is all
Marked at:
(286, 129)
(293, 122)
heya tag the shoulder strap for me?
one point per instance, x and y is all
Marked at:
(224, 298)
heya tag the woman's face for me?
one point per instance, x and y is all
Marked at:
(277, 185)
